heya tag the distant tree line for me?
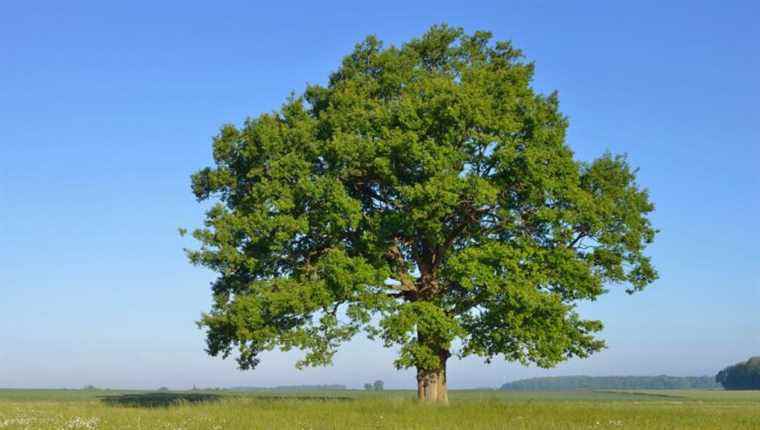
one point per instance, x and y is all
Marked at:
(330, 387)
(374, 386)
(741, 376)
(565, 383)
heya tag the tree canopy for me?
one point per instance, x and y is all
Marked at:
(424, 196)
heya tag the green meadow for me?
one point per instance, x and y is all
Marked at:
(469, 409)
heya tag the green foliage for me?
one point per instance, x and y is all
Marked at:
(424, 196)
(564, 383)
(741, 376)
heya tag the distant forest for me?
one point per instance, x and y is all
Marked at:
(741, 376)
(565, 383)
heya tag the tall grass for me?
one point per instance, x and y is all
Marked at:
(396, 410)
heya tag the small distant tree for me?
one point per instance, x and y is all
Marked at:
(378, 385)
(368, 387)
(162, 389)
(427, 188)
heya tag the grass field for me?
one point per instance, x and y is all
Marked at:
(646, 409)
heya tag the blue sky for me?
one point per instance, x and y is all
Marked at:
(106, 109)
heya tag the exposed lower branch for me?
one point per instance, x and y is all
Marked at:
(405, 280)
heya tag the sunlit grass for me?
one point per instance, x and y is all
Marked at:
(389, 410)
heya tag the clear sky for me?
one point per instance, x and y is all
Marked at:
(106, 108)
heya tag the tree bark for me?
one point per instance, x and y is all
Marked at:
(431, 383)
(443, 388)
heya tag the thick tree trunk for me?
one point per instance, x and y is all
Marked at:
(431, 383)
(443, 388)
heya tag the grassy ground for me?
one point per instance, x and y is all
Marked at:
(40, 409)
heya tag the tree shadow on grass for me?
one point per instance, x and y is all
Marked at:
(161, 399)
(157, 400)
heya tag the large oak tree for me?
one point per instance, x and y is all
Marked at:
(426, 197)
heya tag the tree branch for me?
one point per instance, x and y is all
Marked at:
(471, 217)
(581, 234)
(402, 275)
